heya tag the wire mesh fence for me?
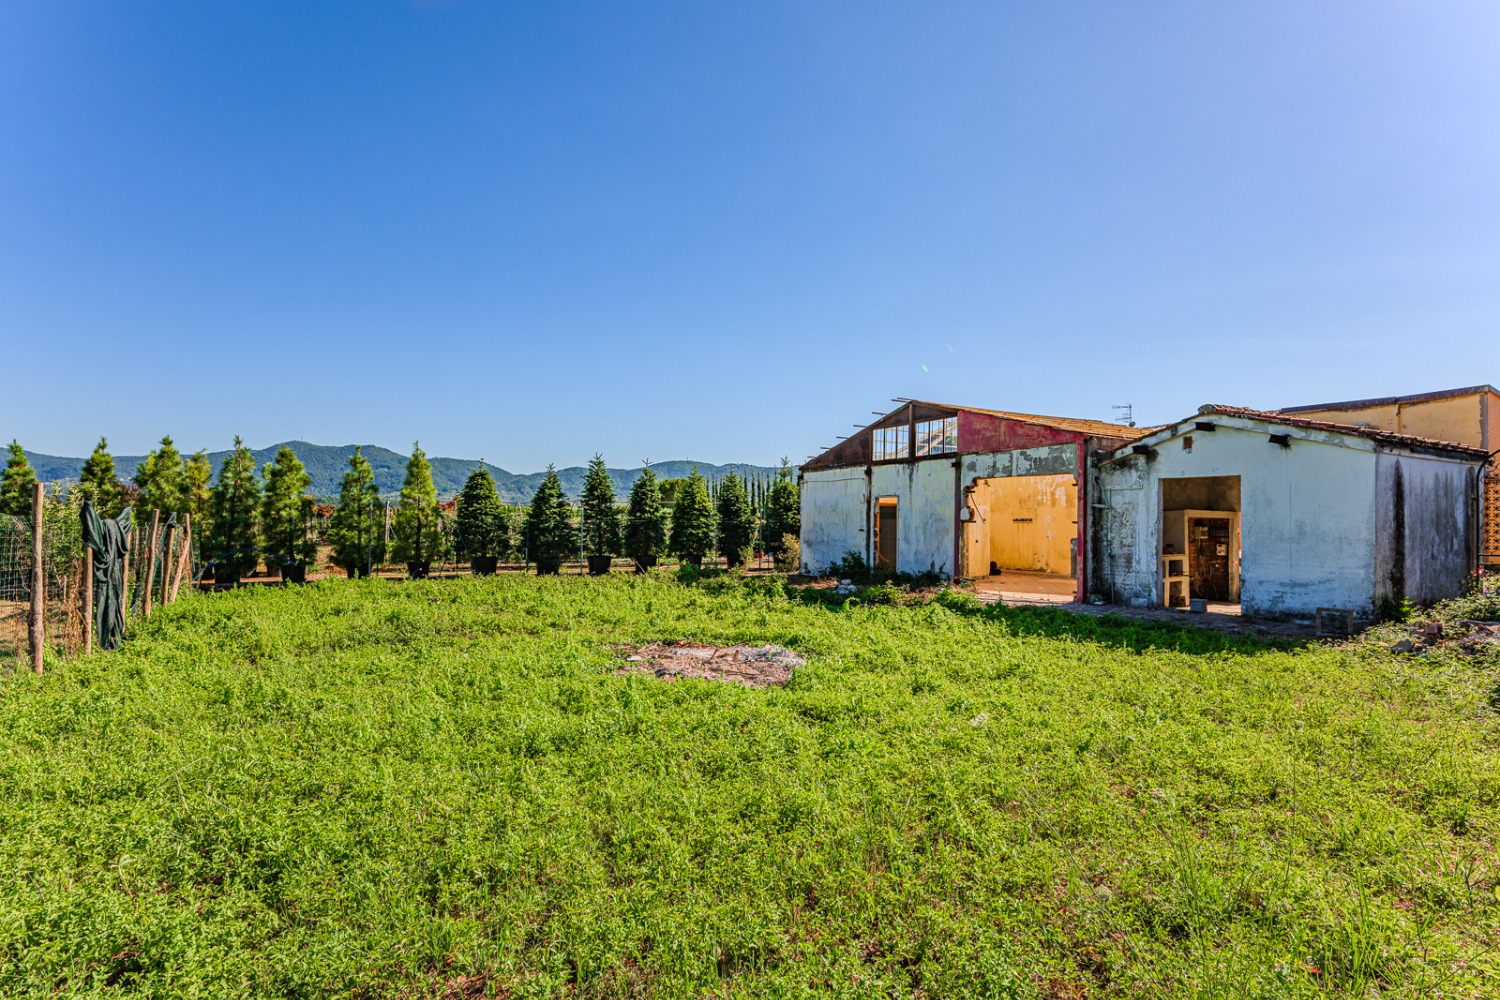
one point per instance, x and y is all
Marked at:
(166, 558)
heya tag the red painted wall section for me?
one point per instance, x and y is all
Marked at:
(980, 432)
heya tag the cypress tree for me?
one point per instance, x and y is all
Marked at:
(736, 522)
(551, 535)
(356, 532)
(17, 483)
(233, 505)
(99, 484)
(480, 516)
(162, 480)
(283, 519)
(783, 510)
(693, 521)
(418, 536)
(645, 520)
(601, 519)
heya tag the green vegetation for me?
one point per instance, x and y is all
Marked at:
(17, 484)
(735, 519)
(234, 504)
(694, 523)
(362, 788)
(283, 511)
(417, 539)
(356, 532)
(99, 483)
(199, 473)
(601, 517)
(645, 520)
(551, 535)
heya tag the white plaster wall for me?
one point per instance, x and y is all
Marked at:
(833, 516)
(1428, 551)
(924, 492)
(1308, 518)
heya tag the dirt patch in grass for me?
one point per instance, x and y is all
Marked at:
(752, 666)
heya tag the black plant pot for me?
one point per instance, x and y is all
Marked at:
(644, 563)
(694, 561)
(599, 565)
(418, 570)
(484, 565)
(294, 574)
(548, 568)
(223, 581)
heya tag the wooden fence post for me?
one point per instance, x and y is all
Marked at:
(184, 555)
(151, 561)
(169, 563)
(88, 600)
(38, 632)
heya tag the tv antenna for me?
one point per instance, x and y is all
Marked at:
(1124, 414)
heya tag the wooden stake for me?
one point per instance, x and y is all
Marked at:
(151, 560)
(38, 636)
(169, 563)
(88, 600)
(184, 555)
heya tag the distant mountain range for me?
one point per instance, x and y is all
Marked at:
(326, 464)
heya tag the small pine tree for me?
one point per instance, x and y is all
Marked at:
(200, 473)
(283, 521)
(234, 504)
(480, 516)
(736, 521)
(357, 530)
(99, 484)
(162, 480)
(17, 484)
(693, 521)
(551, 535)
(418, 536)
(783, 510)
(601, 518)
(645, 520)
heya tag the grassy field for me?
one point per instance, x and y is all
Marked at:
(443, 788)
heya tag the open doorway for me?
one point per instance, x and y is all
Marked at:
(1021, 538)
(1201, 545)
(885, 534)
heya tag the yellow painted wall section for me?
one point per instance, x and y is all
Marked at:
(1456, 419)
(1024, 523)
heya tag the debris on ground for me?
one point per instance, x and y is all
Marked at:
(845, 588)
(751, 666)
(1466, 634)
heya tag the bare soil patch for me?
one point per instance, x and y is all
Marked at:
(751, 666)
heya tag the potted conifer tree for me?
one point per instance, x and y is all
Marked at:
(601, 520)
(645, 521)
(284, 515)
(551, 535)
(480, 522)
(694, 522)
(418, 535)
(234, 503)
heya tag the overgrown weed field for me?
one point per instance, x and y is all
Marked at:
(373, 789)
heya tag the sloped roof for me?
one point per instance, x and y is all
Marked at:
(1095, 428)
(1306, 423)
(1419, 397)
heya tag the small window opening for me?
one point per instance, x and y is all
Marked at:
(1187, 443)
(937, 437)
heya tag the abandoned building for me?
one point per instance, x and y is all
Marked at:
(1468, 416)
(960, 491)
(1282, 515)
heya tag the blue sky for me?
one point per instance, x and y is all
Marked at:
(725, 231)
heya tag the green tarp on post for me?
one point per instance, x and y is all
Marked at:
(108, 538)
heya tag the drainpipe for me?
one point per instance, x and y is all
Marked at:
(1080, 590)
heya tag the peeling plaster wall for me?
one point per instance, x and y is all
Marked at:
(924, 492)
(1308, 518)
(1425, 527)
(833, 516)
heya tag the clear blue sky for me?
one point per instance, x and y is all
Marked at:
(729, 231)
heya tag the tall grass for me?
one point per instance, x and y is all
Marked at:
(369, 789)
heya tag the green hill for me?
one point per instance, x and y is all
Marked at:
(326, 465)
